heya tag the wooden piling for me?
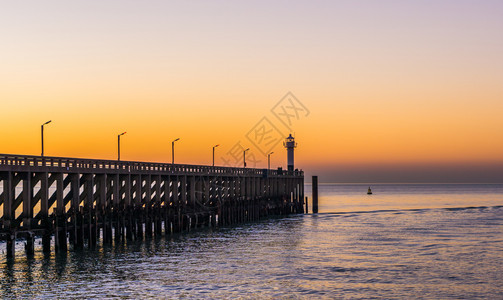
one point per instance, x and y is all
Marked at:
(315, 194)
(30, 244)
(11, 245)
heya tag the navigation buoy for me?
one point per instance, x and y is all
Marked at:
(369, 192)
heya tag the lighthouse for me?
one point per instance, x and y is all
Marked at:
(290, 144)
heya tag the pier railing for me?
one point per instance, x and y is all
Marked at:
(24, 162)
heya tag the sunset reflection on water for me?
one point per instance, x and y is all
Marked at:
(399, 248)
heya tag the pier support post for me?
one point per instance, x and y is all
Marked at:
(315, 194)
(30, 244)
(60, 233)
(11, 245)
(80, 229)
(129, 224)
(46, 241)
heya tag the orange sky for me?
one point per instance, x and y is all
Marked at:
(385, 84)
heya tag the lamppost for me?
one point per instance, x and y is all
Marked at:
(214, 154)
(269, 160)
(173, 150)
(244, 157)
(119, 145)
(42, 131)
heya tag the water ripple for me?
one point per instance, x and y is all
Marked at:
(431, 253)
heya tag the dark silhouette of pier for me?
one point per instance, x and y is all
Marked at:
(82, 202)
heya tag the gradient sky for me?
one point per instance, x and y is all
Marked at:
(401, 91)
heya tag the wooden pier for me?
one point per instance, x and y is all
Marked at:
(83, 202)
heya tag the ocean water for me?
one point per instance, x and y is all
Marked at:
(402, 242)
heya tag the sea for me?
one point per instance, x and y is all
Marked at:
(405, 241)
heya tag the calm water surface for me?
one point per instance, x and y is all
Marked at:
(405, 241)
